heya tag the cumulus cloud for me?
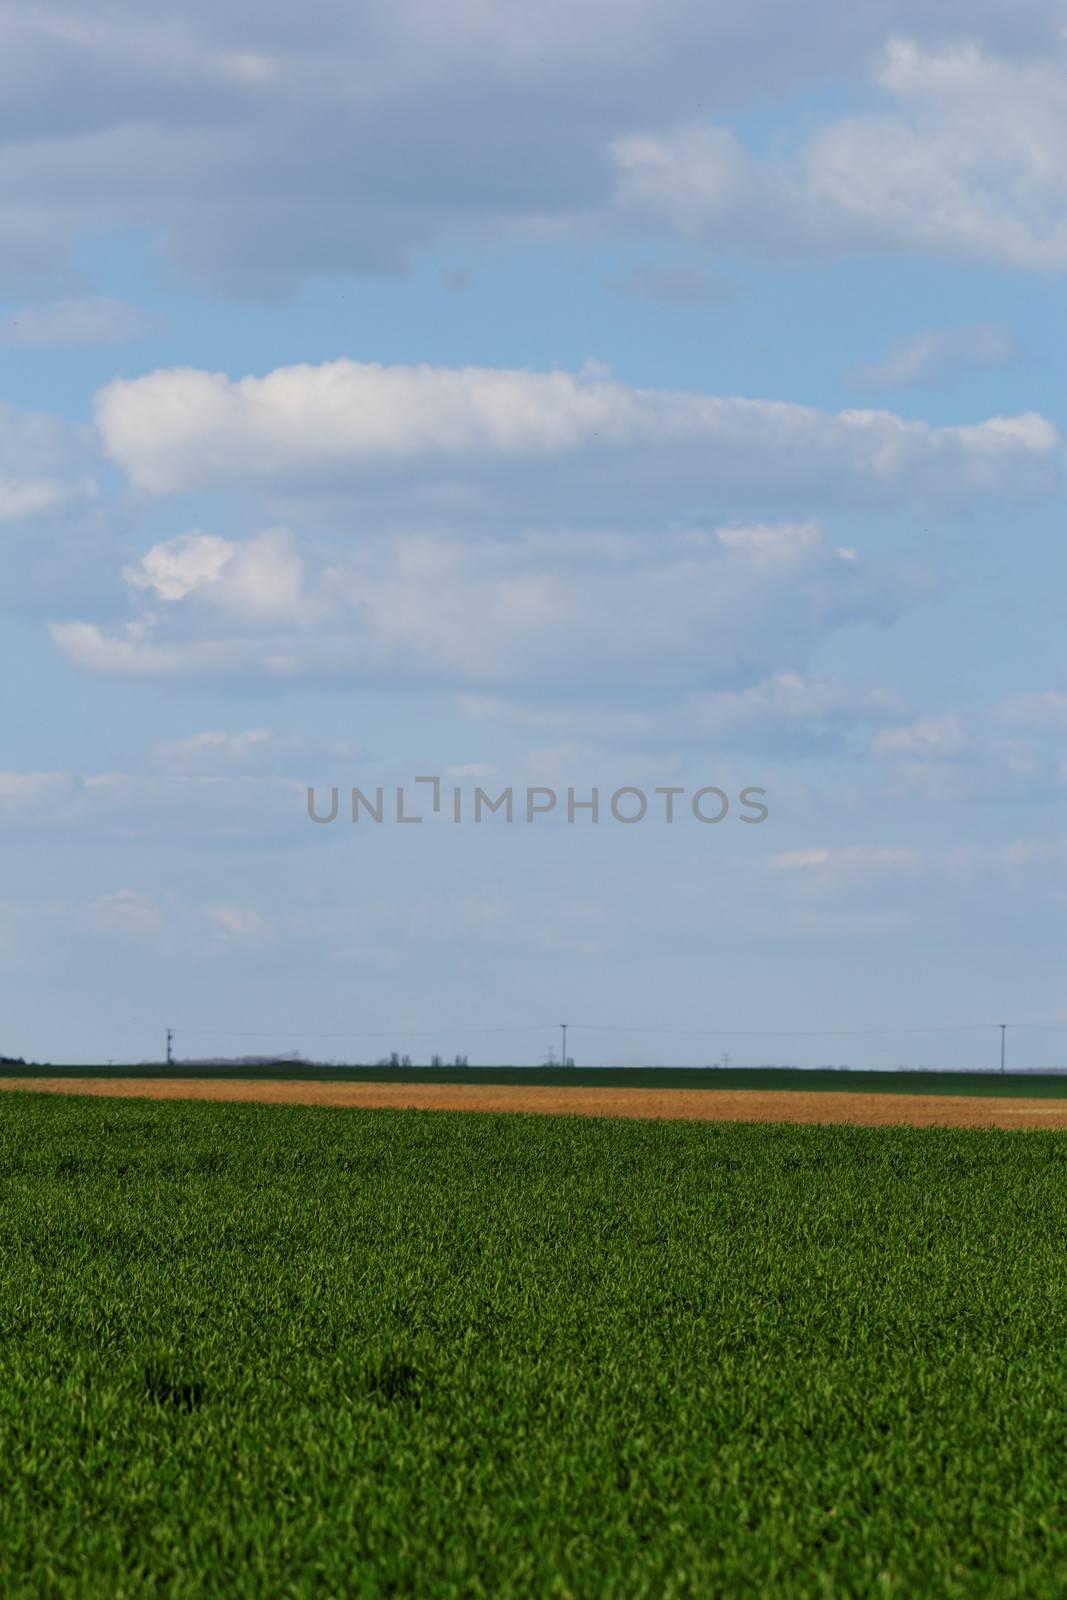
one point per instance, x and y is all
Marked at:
(597, 615)
(935, 173)
(937, 356)
(259, 579)
(261, 149)
(942, 758)
(93, 319)
(177, 568)
(344, 421)
(43, 464)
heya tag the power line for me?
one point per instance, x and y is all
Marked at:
(351, 1033)
(788, 1033)
(1038, 1027)
(128, 1024)
(613, 1027)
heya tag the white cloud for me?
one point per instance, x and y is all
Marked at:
(35, 441)
(941, 758)
(43, 464)
(596, 615)
(851, 859)
(259, 579)
(126, 911)
(937, 356)
(847, 868)
(175, 569)
(128, 795)
(254, 750)
(212, 750)
(32, 793)
(93, 319)
(936, 173)
(132, 804)
(237, 924)
(135, 914)
(697, 177)
(789, 712)
(21, 498)
(304, 426)
(259, 146)
(931, 736)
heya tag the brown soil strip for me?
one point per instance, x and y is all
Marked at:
(700, 1105)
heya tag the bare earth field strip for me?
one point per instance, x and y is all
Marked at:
(700, 1105)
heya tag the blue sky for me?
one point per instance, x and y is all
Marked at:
(571, 397)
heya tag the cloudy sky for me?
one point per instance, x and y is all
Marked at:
(533, 395)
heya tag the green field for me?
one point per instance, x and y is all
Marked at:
(1029, 1085)
(254, 1350)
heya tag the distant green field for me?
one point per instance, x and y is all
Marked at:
(261, 1351)
(1035, 1085)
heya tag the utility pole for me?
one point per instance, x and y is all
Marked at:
(170, 1052)
(1003, 1031)
(563, 1025)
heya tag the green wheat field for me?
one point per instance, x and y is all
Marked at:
(250, 1350)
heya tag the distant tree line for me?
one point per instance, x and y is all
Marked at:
(397, 1060)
